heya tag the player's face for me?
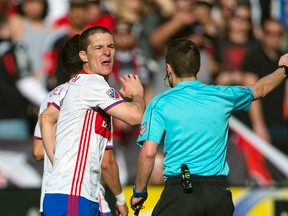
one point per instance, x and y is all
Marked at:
(101, 53)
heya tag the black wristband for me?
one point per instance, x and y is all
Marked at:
(139, 194)
(285, 70)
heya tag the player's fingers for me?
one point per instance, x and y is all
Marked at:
(136, 77)
(122, 79)
(133, 76)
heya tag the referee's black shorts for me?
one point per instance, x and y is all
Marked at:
(210, 196)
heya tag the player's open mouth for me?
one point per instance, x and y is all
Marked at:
(106, 63)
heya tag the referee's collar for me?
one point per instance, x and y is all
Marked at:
(189, 83)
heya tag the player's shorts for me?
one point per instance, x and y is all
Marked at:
(63, 204)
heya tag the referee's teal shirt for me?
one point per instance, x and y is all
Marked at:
(192, 119)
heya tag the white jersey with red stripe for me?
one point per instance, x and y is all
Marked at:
(83, 132)
(54, 98)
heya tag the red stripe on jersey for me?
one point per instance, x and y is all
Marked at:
(103, 124)
(75, 179)
(88, 135)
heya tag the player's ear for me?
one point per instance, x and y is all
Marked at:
(83, 56)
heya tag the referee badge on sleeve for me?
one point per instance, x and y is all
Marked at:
(143, 128)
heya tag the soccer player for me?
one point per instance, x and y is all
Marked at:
(192, 120)
(72, 64)
(84, 129)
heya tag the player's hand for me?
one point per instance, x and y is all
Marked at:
(283, 60)
(121, 210)
(131, 86)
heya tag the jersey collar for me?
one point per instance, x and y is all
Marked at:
(83, 72)
(190, 83)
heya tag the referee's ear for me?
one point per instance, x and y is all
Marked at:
(169, 70)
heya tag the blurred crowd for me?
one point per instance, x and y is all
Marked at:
(240, 41)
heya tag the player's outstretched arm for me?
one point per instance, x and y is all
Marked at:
(268, 83)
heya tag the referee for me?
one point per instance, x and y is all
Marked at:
(192, 120)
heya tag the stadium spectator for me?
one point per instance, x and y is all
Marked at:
(97, 16)
(56, 10)
(209, 66)
(73, 23)
(261, 59)
(30, 28)
(18, 87)
(226, 9)
(203, 16)
(129, 59)
(231, 51)
(7, 7)
(131, 10)
(161, 28)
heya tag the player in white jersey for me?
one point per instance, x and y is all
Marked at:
(84, 129)
(54, 98)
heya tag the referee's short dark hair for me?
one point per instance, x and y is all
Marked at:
(183, 56)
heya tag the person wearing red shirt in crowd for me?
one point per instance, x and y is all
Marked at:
(94, 14)
(66, 27)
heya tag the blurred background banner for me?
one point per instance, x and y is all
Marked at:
(18, 169)
(279, 159)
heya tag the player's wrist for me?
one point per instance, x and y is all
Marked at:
(120, 199)
(140, 194)
(138, 97)
(284, 69)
